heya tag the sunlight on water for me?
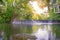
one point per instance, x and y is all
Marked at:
(41, 34)
(30, 32)
(44, 33)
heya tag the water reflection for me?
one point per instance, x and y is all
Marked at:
(41, 33)
(29, 32)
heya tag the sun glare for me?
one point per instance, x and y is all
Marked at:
(36, 8)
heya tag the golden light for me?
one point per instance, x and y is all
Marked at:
(37, 8)
(40, 8)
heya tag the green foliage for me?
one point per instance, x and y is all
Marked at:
(6, 16)
(54, 16)
(10, 8)
(20, 7)
(25, 13)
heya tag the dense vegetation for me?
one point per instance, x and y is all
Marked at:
(20, 10)
(54, 16)
(11, 9)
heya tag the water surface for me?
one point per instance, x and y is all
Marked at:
(39, 31)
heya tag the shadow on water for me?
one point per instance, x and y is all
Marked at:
(29, 31)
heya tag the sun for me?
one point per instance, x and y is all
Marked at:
(39, 8)
(36, 8)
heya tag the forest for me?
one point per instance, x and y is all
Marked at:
(21, 10)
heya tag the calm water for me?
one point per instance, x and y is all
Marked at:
(29, 31)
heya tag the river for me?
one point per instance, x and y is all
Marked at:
(31, 31)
